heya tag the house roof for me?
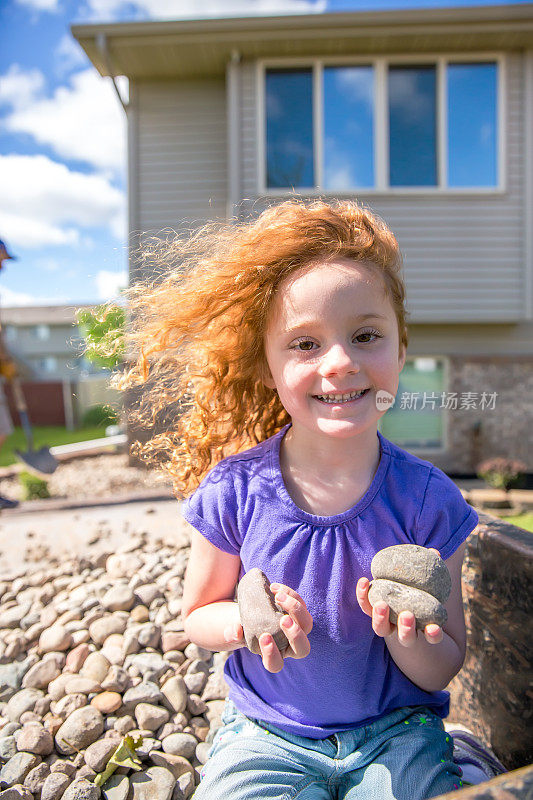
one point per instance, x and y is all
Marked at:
(40, 315)
(202, 48)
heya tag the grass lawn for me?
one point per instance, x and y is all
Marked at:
(522, 521)
(46, 436)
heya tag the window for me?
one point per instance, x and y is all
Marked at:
(42, 332)
(10, 332)
(382, 125)
(48, 364)
(417, 419)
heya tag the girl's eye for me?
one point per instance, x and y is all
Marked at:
(374, 334)
(304, 345)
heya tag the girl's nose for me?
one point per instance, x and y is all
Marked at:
(337, 360)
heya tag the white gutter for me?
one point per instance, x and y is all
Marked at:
(101, 43)
(233, 115)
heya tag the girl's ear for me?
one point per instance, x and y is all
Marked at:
(265, 375)
(402, 357)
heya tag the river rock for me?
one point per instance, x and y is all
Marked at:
(118, 598)
(175, 692)
(107, 702)
(11, 676)
(156, 783)
(8, 747)
(17, 792)
(96, 666)
(259, 611)
(54, 786)
(116, 787)
(400, 597)
(415, 566)
(79, 730)
(16, 769)
(82, 789)
(34, 738)
(36, 777)
(180, 744)
(12, 617)
(22, 701)
(54, 638)
(40, 675)
(76, 658)
(98, 753)
(178, 765)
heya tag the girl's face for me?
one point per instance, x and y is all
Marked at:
(331, 334)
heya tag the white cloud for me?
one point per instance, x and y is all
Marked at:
(40, 5)
(13, 298)
(183, 9)
(109, 284)
(44, 203)
(82, 121)
(69, 55)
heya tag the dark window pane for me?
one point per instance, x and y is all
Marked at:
(472, 110)
(348, 127)
(289, 128)
(412, 126)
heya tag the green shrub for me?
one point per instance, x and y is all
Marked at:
(100, 416)
(502, 473)
(33, 487)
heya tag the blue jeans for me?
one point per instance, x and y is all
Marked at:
(406, 755)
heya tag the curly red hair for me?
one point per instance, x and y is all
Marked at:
(198, 331)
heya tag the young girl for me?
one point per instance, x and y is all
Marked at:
(278, 338)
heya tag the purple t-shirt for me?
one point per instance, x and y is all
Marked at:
(349, 678)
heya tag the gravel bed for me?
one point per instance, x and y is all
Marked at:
(94, 476)
(92, 650)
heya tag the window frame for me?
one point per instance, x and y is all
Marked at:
(381, 126)
(421, 450)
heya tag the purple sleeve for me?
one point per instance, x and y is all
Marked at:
(445, 519)
(212, 509)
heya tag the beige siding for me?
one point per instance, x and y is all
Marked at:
(463, 255)
(181, 143)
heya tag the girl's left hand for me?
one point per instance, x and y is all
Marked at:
(406, 626)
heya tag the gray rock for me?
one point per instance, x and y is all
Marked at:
(34, 738)
(54, 786)
(144, 692)
(186, 784)
(175, 692)
(82, 789)
(11, 676)
(17, 792)
(16, 769)
(180, 744)
(98, 753)
(79, 730)
(40, 675)
(95, 666)
(156, 783)
(118, 598)
(36, 777)
(116, 787)
(258, 610)
(22, 701)
(149, 744)
(150, 717)
(8, 748)
(202, 752)
(150, 665)
(400, 597)
(178, 765)
(414, 566)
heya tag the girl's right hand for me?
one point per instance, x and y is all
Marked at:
(296, 625)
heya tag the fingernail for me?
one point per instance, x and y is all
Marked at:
(274, 587)
(287, 622)
(281, 597)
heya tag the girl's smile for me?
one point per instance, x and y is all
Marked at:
(331, 343)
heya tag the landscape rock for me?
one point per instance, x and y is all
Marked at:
(80, 729)
(54, 786)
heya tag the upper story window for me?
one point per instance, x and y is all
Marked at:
(42, 332)
(382, 125)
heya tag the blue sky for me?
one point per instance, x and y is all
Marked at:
(63, 141)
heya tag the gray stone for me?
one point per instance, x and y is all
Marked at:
(54, 638)
(157, 783)
(150, 717)
(8, 748)
(22, 701)
(16, 769)
(98, 753)
(17, 792)
(175, 692)
(13, 616)
(118, 598)
(95, 666)
(400, 597)
(34, 738)
(116, 787)
(202, 751)
(180, 744)
(54, 786)
(178, 765)
(36, 777)
(11, 676)
(415, 566)
(186, 784)
(82, 789)
(79, 730)
(150, 665)
(259, 611)
(145, 692)
(40, 675)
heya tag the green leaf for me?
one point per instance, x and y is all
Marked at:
(124, 756)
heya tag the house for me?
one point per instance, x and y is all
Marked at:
(425, 115)
(45, 342)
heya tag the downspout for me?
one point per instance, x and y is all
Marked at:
(233, 110)
(101, 43)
